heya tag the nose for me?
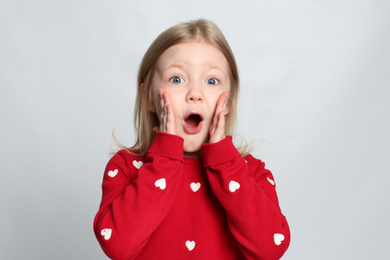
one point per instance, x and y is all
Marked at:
(194, 95)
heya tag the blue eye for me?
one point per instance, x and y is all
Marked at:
(212, 81)
(176, 80)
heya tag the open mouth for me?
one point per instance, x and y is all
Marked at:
(193, 123)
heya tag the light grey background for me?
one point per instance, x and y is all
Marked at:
(315, 85)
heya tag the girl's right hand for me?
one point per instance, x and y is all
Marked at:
(166, 115)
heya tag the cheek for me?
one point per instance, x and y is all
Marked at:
(212, 104)
(155, 100)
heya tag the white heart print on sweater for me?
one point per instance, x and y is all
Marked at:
(137, 164)
(278, 238)
(190, 245)
(106, 233)
(113, 173)
(195, 186)
(271, 181)
(233, 186)
(161, 183)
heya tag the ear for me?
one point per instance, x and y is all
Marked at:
(151, 107)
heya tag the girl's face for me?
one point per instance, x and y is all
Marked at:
(194, 74)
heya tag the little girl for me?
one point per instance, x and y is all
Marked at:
(184, 191)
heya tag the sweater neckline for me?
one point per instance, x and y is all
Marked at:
(193, 160)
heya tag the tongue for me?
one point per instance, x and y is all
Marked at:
(192, 122)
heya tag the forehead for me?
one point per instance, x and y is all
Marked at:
(197, 53)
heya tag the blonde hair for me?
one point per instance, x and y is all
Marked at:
(144, 118)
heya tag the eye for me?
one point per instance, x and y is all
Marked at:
(176, 80)
(212, 81)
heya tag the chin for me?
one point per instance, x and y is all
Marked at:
(193, 143)
(191, 148)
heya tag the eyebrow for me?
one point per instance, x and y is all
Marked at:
(182, 66)
(174, 65)
(211, 66)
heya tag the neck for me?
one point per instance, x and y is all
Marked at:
(197, 154)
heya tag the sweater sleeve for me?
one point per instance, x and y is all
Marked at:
(247, 192)
(137, 196)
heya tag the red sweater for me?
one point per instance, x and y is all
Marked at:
(164, 206)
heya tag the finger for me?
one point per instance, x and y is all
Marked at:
(221, 104)
(163, 110)
(167, 98)
(167, 101)
(219, 107)
(213, 125)
(222, 101)
(167, 119)
(219, 133)
(166, 110)
(162, 100)
(225, 104)
(220, 129)
(170, 121)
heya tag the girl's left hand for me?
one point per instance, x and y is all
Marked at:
(217, 127)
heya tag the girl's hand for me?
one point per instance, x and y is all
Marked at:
(167, 118)
(217, 127)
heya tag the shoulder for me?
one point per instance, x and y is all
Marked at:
(127, 155)
(127, 162)
(250, 160)
(256, 167)
(259, 172)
